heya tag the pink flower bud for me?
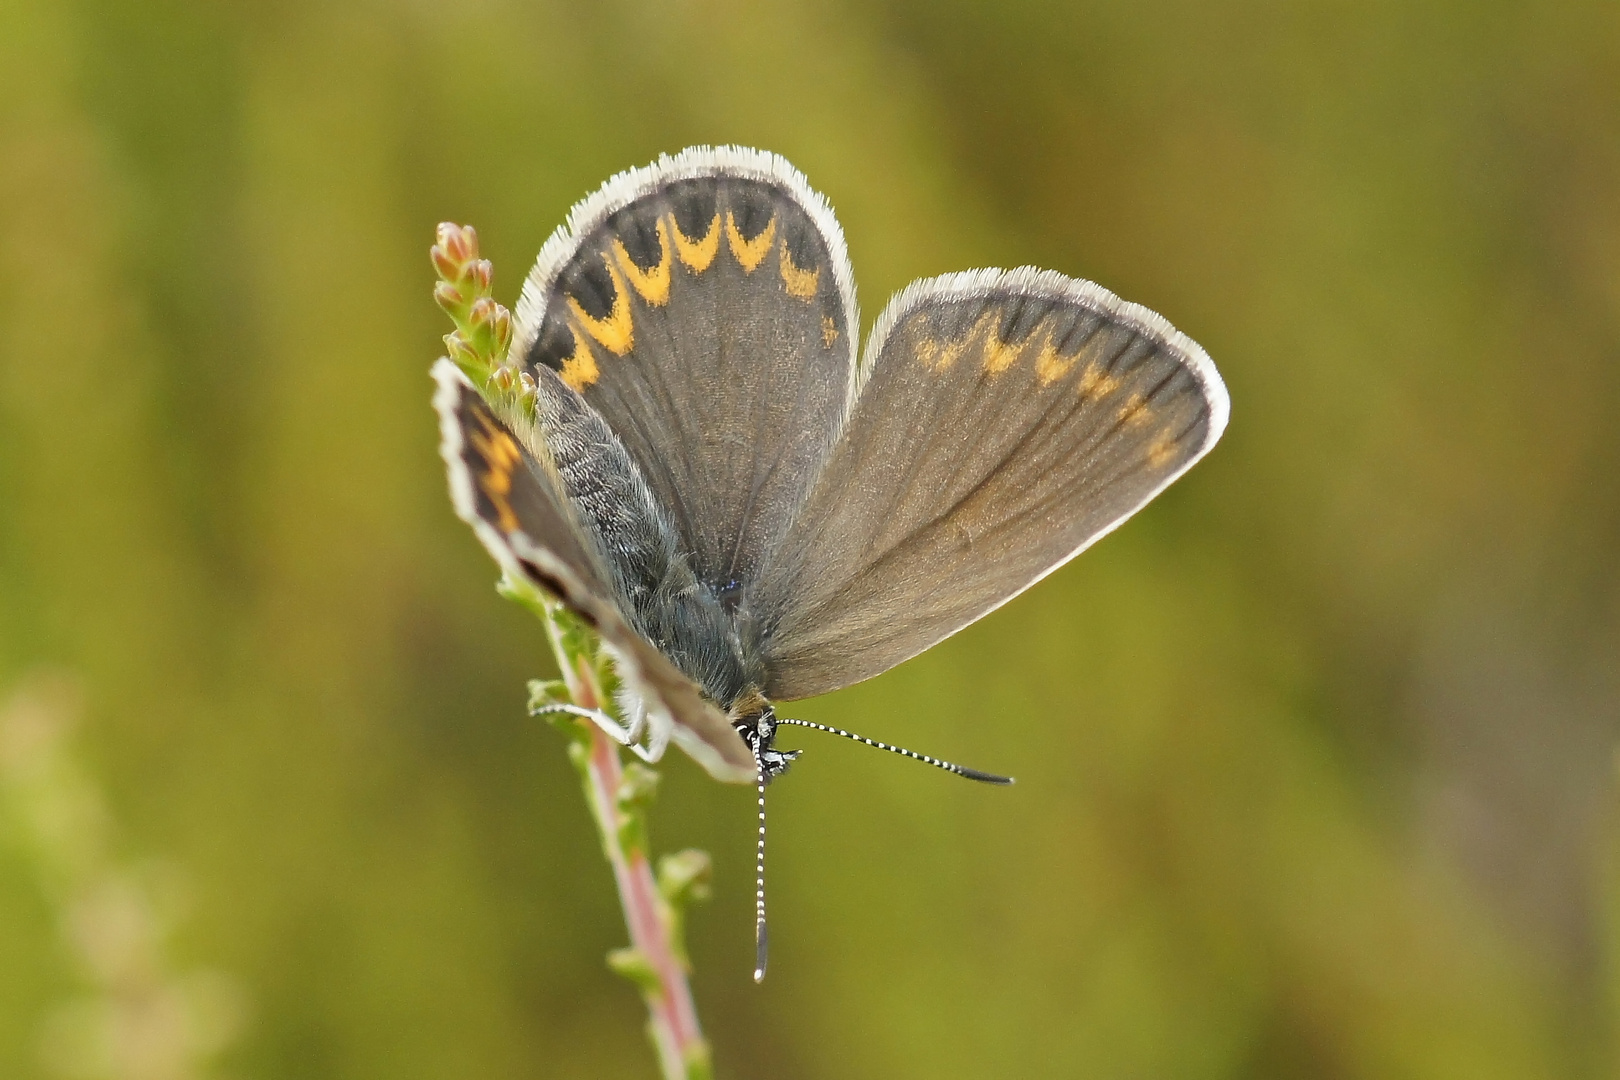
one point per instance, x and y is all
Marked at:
(448, 296)
(448, 268)
(459, 242)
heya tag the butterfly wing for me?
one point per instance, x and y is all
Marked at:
(510, 489)
(1007, 421)
(703, 307)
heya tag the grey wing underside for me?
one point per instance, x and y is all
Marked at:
(1007, 421)
(704, 307)
(515, 502)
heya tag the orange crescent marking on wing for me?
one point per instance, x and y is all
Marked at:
(580, 369)
(1135, 411)
(1096, 383)
(697, 254)
(1049, 365)
(749, 252)
(800, 283)
(1162, 450)
(940, 355)
(829, 331)
(998, 355)
(614, 331)
(653, 285)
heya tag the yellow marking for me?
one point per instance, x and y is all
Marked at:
(614, 330)
(940, 355)
(829, 331)
(1049, 366)
(1096, 383)
(1162, 450)
(1135, 411)
(501, 456)
(653, 285)
(998, 355)
(697, 254)
(749, 252)
(800, 283)
(580, 369)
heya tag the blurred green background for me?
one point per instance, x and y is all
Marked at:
(1316, 757)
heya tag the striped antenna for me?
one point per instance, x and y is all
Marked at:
(959, 770)
(761, 941)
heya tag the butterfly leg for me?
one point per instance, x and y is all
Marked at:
(617, 732)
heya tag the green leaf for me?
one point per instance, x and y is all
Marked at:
(633, 964)
(684, 876)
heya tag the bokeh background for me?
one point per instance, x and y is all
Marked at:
(1316, 757)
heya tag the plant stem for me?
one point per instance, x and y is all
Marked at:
(656, 959)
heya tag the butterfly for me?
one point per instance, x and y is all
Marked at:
(748, 510)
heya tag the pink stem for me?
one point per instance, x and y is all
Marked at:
(674, 1016)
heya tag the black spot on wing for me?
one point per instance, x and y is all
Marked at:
(637, 229)
(587, 280)
(553, 345)
(752, 206)
(693, 202)
(802, 240)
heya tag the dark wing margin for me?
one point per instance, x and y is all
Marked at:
(515, 505)
(1006, 421)
(705, 308)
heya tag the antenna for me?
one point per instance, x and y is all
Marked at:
(959, 770)
(761, 941)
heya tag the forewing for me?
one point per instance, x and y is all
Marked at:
(1008, 420)
(511, 493)
(703, 307)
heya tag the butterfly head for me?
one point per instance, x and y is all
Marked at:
(759, 732)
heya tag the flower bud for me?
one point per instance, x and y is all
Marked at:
(448, 297)
(448, 267)
(460, 351)
(503, 329)
(460, 242)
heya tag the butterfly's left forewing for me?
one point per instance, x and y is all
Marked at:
(509, 489)
(704, 308)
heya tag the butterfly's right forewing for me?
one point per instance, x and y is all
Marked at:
(1007, 420)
